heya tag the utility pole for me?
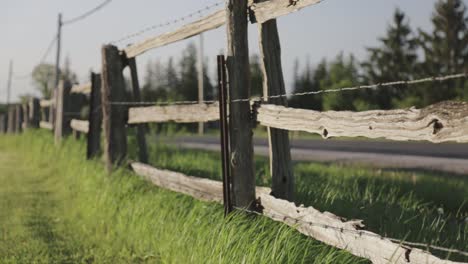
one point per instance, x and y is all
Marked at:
(201, 96)
(57, 60)
(10, 74)
(57, 69)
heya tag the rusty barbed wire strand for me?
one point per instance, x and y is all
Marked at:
(337, 90)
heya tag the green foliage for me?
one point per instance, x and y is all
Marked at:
(445, 50)
(395, 59)
(43, 79)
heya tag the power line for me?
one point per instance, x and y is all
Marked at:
(43, 58)
(47, 51)
(86, 14)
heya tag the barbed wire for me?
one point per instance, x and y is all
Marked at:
(337, 90)
(86, 14)
(167, 23)
(356, 232)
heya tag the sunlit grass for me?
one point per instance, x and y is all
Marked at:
(56, 207)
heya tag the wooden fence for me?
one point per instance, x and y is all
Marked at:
(111, 112)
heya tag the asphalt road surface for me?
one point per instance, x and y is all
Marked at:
(446, 157)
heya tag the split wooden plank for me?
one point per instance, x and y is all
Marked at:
(264, 11)
(441, 122)
(209, 22)
(46, 103)
(81, 89)
(46, 125)
(260, 12)
(353, 239)
(177, 113)
(80, 125)
(200, 188)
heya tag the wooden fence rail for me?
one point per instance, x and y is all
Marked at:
(81, 89)
(176, 113)
(80, 125)
(323, 226)
(442, 122)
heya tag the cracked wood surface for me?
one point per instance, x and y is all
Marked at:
(358, 242)
(442, 122)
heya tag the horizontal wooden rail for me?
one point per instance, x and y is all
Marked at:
(176, 113)
(80, 125)
(46, 103)
(445, 121)
(209, 22)
(261, 12)
(367, 245)
(46, 125)
(81, 89)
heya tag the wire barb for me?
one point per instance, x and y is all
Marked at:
(167, 23)
(285, 218)
(337, 90)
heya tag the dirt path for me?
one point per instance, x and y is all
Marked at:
(28, 214)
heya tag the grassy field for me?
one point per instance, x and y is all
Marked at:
(416, 206)
(55, 207)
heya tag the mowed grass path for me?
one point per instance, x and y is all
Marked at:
(56, 207)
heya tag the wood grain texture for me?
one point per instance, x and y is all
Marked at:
(80, 125)
(370, 246)
(46, 125)
(82, 88)
(367, 245)
(271, 9)
(114, 117)
(442, 122)
(209, 22)
(200, 188)
(273, 84)
(240, 119)
(176, 113)
(261, 11)
(46, 103)
(136, 97)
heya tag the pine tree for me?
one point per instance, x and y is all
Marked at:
(446, 50)
(395, 59)
(308, 81)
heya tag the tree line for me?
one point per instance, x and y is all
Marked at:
(403, 53)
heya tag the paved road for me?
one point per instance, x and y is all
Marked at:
(447, 157)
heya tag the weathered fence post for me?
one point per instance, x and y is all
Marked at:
(224, 129)
(75, 103)
(273, 84)
(141, 140)
(114, 116)
(11, 119)
(34, 113)
(62, 118)
(95, 118)
(25, 116)
(19, 118)
(242, 165)
(3, 123)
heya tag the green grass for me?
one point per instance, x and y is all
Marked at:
(416, 206)
(55, 207)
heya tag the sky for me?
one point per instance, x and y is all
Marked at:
(316, 32)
